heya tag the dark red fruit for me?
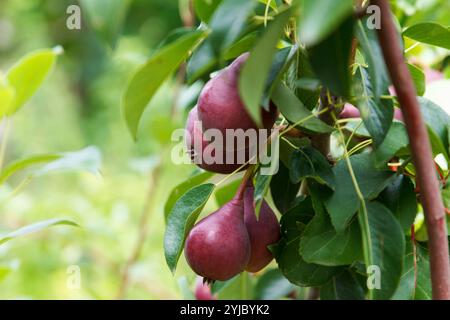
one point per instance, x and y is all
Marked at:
(203, 291)
(218, 247)
(220, 106)
(262, 232)
(196, 144)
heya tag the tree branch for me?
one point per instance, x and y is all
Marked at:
(142, 232)
(421, 153)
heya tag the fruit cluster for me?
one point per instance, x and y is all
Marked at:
(232, 239)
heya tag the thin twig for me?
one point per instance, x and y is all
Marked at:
(142, 233)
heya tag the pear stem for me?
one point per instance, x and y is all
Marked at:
(247, 176)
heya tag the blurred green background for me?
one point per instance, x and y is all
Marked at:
(79, 106)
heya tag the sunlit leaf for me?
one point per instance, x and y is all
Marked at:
(430, 33)
(149, 77)
(418, 77)
(88, 159)
(28, 74)
(32, 228)
(7, 94)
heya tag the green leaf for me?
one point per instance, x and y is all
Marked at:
(28, 75)
(205, 8)
(272, 285)
(321, 243)
(4, 272)
(343, 203)
(88, 159)
(261, 188)
(314, 27)
(371, 49)
(7, 94)
(280, 65)
(418, 78)
(182, 188)
(287, 255)
(254, 74)
(36, 227)
(344, 286)
(405, 289)
(377, 114)
(106, 18)
(308, 162)
(242, 45)
(294, 110)
(430, 33)
(437, 145)
(400, 198)
(330, 58)
(173, 36)
(384, 246)
(437, 121)
(308, 96)
(227, 23)
(226, 26)
(148, 78)
(202, 60)
(24, 164)
(423, 290)
(181, 220)
(283, 190)
(396, 140)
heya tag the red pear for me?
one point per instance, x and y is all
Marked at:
(220, 105)
(196, 144)
(203, 291)
(262, 232)
(218, 247)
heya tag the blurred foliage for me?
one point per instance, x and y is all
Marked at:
(78, 106)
